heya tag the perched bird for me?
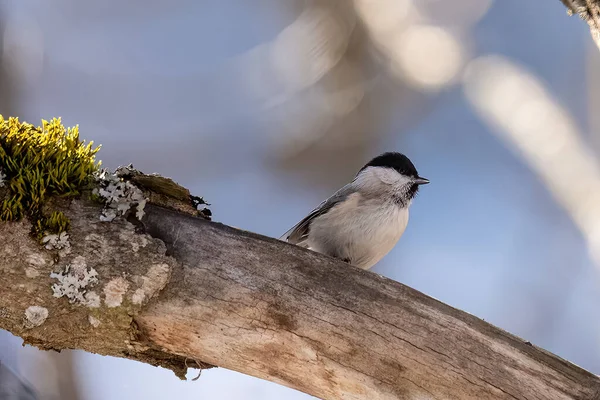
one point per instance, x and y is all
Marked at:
(363, 220)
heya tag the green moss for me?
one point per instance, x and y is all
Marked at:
(55, 223)
(40, 162)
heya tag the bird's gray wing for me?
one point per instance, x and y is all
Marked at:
(299, 232)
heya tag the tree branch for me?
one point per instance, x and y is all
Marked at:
(215, 295)
(589, 11)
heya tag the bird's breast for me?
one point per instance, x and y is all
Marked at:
(361, 230)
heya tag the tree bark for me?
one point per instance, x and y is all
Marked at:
(181, 291)
(589, 11)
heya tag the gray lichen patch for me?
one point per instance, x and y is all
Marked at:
(165, 192)
(92, 299)
(36, 260)
(35, 316)
(31, 272)
(136, 240)
(74, 282)
(119, 195)
(57, 241)
(114, 291)
(97, 246)
(95, 322)
(151, 283)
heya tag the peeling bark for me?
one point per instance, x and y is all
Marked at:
(181, 291)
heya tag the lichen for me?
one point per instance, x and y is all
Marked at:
(136, 240)
(119, 195)
(35, 316)
(114, 292)
(35, 260)
(74, 281)
(39, 162)
(31, 272)
(56, 241)
(95, 322)
(155, 279)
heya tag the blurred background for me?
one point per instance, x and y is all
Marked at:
(265, 107)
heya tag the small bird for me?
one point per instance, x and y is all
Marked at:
(363, 220)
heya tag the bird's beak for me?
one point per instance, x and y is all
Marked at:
(421, 181)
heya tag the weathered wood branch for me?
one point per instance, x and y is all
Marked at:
(589, 11)
(189, 292)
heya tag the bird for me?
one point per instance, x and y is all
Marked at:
(361, 222)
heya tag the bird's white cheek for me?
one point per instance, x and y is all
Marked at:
(391, 177)
(387, 176)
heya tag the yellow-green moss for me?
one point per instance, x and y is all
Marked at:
(39, 162)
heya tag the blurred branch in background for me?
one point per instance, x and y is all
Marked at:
(364, 63)
(13, 388)
(53, 375)
(323, 89)
(524, 114)
(324, 123)
(589, 11)
(593, 94)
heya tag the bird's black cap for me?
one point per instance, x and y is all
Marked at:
(394, 160)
